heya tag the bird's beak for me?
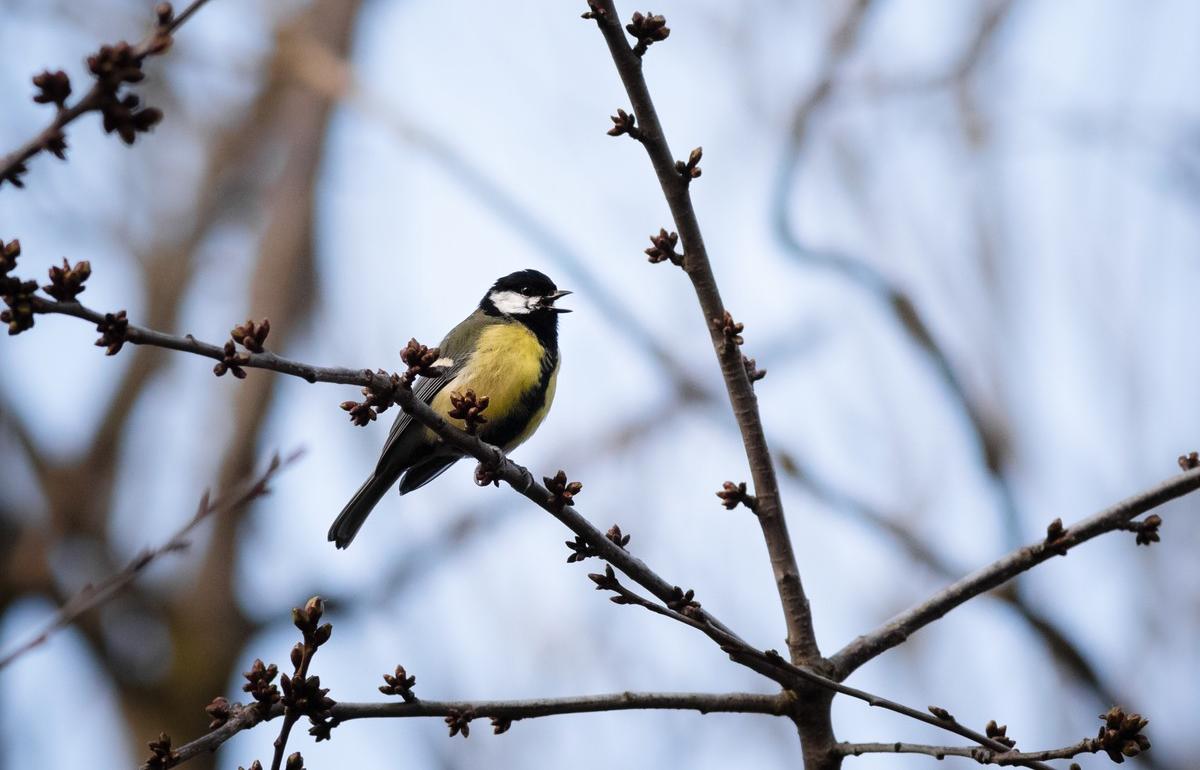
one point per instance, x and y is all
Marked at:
(549, 299)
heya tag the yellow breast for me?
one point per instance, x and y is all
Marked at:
(506, 365)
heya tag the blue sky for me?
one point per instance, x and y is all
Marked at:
(1056, 260)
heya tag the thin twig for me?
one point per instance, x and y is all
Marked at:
(90, 101)
(982, 756)
(801, 640)
(899, 628)
(794, 677)
(244, 718)
(93, 595)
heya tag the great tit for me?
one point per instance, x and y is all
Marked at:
(507, 350)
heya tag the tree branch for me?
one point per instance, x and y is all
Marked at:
(899, 628)
(246, 717)
(801, 639)
(156, 42)
(501, 467)
(791, 676)
(982, 756)
(92, 596)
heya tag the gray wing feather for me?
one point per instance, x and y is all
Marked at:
(457, 347)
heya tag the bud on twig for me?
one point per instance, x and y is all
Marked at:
(691, 169)
(649, 29)
(564, 492)
(625, 123)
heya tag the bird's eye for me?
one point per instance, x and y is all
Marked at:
(526, 290)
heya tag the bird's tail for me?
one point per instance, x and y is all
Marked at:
(348, 522)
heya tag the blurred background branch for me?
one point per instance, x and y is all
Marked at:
(986, 161)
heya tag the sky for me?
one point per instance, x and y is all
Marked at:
(1055, 256)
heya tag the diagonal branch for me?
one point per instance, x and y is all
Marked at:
(157, 42)
(93, 595)
(899, 628)
(770, 664)
(801, 639)
(498, 466)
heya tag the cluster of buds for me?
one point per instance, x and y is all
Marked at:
(580, 549)
(260, 684)
(469, 408)
(625, 123)
(252, 335)
(219, 711)
(732, 494)
(17, 294)
(684, 602)
(232, 362)
(731, 331)
(400, 684)
(501, 724)
(690, 169)
(563, 491)
(302, 695)
(1189, 461)
(113, 66)
(1121, 735)
(460, 722)
(113, 332)
(377, 399)
(608, 582)
(420, 361)
(52, 88)
(999, 734)
(619, 539)
(162, 755)
(662, 248)
(648, 28)
(752, 371)
(1146, 529)
(66, 282)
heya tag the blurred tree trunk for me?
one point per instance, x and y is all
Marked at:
(208, 629)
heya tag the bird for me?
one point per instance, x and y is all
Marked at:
(506, 351)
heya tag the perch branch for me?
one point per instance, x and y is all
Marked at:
(899, 628)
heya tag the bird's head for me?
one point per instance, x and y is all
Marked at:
(523, 294)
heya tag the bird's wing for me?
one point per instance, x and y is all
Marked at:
(457, 348)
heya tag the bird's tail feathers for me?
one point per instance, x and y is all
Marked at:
(424, 472)
(348, 522)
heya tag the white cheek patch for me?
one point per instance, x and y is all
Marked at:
(510, 302)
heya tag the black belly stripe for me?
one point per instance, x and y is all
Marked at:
(512, 425)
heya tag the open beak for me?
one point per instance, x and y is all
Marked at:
(549, 299)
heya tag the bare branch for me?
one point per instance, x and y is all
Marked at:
(517, 476)
(101, 96)
(789, 675)
(93, 595)
(980, 755)
(1115, 517)
(675, 184)
(245, 717)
